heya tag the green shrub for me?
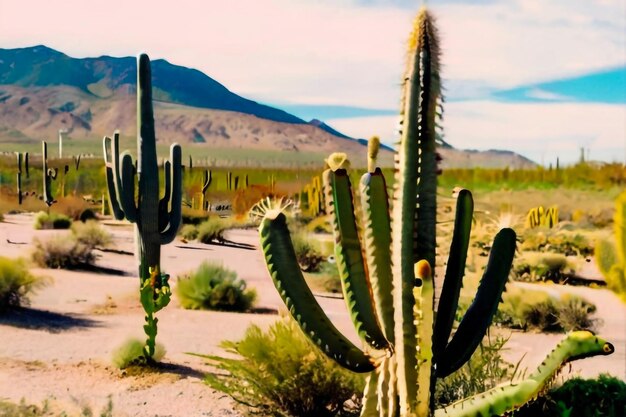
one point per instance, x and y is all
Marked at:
(195, 217)
(16, 283)
(562, 242)
(45, 220)
(130, 353)
(604, 396)
(213, 287)
(189, 232)
(309, 258)
(279, 373)
(327, 279)
(535, 266)
(91, 234)
(62, 252)
(213, 230)
(485, 369)
(537, 310)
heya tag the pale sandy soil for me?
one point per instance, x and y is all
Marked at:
(61, 348)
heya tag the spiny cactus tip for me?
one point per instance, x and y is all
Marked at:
(423, 270)
(338, 160)
(373, 146)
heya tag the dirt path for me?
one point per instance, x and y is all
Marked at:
(61, 348)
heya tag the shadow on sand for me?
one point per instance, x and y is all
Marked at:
(28, 318)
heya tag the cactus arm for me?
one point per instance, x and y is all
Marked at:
(165, 201)
(127, 188)
(448, 302)
(424, 323)
(174, 215)
(415, 163)
(348, 254)
(287, 277)
(509, 397)
(478, 316)
(377, 241)
(117, 211)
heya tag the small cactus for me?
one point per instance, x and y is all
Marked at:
(49, 174)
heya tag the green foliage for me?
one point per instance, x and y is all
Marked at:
(562, 242)
(189, 232)
(309, 258)
(538, 266)
(611, 259)
(91, 234)
(16, 283)
(45, 220)
(47, 409)
(62, 251)
(537, 310)
(213, 229)
(483, 371)
(213, 287)
(195, 217)
(131, 353)
(279, 373)
(604, 396)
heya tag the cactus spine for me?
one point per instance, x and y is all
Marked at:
(387, 269)
(156, 221)
(49, 174)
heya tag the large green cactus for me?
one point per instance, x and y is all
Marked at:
(386, 273)
(156, 220)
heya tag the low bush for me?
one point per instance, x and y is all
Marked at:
(62, 252)
(16, 283)
(213, 230)
(562, 242)
(130, 353)
(536, 266)
(309, 258)
(327, 279)
(189, 232)
(279, 373)
(537, 310)
(91, 234)
(604, 396)
(45, 220)
(213, 287)
(195, 217)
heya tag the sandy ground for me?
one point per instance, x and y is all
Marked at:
(60, 348)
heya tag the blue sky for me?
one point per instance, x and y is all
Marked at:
(542, 78)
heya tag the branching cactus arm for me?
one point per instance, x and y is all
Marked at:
(509, 397)
(285, 272)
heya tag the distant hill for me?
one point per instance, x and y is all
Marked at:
(43, 91)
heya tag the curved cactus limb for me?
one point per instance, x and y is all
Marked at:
(509, 397)
(348, 254)
(285, 272)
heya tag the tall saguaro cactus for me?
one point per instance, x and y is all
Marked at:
(49, 174)
(156, 220)
(387, 270)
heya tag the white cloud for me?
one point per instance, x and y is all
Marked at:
(540, 131)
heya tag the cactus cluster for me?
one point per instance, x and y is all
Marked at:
(156, 220)
(540, 216)
(387, 269)
(312, 198)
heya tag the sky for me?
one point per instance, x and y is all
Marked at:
(542, 78)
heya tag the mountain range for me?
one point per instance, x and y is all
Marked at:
(43, 91)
